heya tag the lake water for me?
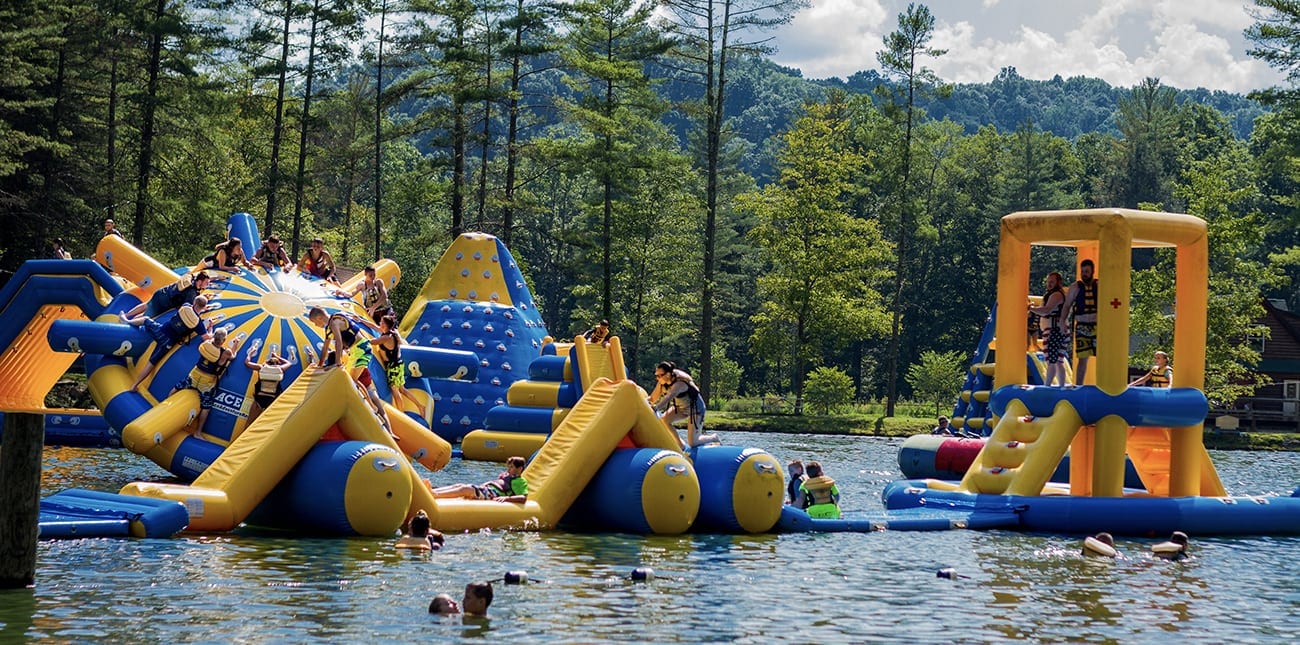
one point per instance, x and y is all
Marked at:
(813, 588)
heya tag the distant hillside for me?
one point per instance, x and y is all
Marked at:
(763, 98)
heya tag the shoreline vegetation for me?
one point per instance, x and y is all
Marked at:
(903, 427)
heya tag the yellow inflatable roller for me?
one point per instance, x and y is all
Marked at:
(418, 442)
(534, 394)
(496, 445)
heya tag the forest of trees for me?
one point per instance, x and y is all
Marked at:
(645, 162)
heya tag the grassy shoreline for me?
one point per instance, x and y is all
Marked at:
(907, 426)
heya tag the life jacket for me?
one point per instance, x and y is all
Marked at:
(1085, 302)
(1054, 316)
(211, 359)
(314, 266)
(370, 294)
(1159, 377)
(792, 489)
(595, 335)
(388, 358)
(691, 399)
(269, 377)
(820, 496)
(349, 334)
(276, 257)
(184, 324)
(504, 483)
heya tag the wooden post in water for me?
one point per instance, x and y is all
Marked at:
(20, 498)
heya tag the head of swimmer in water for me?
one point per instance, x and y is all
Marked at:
(478, 597)
(444, 604)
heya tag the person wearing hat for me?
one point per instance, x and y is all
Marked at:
(58, 252)
(317, 261)
(272, 254)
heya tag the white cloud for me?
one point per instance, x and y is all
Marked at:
(835, 37)
(1186, 43)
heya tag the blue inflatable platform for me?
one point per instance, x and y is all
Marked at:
(975, 517)
(81, 513)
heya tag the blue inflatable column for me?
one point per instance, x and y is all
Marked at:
(741, 489)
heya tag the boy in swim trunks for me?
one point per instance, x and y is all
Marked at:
(509, 486)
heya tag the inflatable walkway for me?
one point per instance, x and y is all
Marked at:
(81, 513)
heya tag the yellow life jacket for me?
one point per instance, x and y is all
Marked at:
(820, 496)
(1159, 377)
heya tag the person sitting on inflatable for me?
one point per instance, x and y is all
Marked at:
(177, 331)
(317, 261)
(509, 486)
(818, 494)
(227, 256)
(272, 255)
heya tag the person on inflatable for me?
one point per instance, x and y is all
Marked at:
(681, 400)
(272, 254)
(374, 296)
(214, 359)
(343, 345)
(1055, 332)
(387, 349)
(167, 298)
(186, 323)
(1081, 301)
(317, 261)
(509, 486)
(1160, 374)
(943, 428)
(598, 335)
(797, 478)
(270, 379)
(227, 256)
(818, 495)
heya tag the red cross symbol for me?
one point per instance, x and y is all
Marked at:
(1114, 304)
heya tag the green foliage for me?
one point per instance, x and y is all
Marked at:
(828, 389)
(1220, 192)
(937, 377)
(817, 292)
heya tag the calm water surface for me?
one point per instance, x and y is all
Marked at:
(827, 588)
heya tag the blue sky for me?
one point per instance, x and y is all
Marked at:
(1185, 43)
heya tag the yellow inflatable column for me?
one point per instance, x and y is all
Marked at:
(1115, 262)
(1186, 446)
(1013, 298)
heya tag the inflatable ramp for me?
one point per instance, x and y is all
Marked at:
(233, 485)
(607, 413)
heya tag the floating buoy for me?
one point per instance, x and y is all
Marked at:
(516, 577)
(949, 573)
(643, 574)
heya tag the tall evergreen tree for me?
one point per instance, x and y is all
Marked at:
(900, 61)
(710, 33)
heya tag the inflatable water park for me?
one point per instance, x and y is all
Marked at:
(326, 457)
